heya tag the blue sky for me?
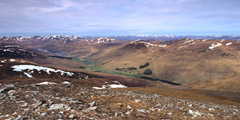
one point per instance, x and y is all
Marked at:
(121, 17)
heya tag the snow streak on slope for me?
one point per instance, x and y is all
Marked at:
(214, 46)
(31, 68)
(117, 85)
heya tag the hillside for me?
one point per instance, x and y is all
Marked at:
(183, 61)
(195, 63)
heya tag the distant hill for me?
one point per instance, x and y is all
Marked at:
(16, 51)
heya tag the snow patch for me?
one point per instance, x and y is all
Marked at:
(100, 88)
(228, 43)
(28, 75)
(182, 47)
(12, 60)
(149, 44)
(162, 46)
(66, 82)
(170, 114)
(110, 86)
(137, 100)
(143, 111)
(188, 41)
(3, 61)
(211, 109)
(104, 40)
(117, 86)
(43, 50)
(214, 46)
(135, 41)
(59, 107)
(194, 113)
(46, 83)
(20, 68)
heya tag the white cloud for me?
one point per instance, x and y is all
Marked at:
(122, 15)
(60, 5)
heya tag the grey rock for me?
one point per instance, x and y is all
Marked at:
(92, 104)
(59, 107)
(143, 111)
(7, 88)
(59, 116)
(63, 99)
(35, 105)
(74, 101)
(10, 86)
(90, 109)
(50, 102)
(24, 105)
(72, 116)
(44, 114)
(17, 118)
(11, 92)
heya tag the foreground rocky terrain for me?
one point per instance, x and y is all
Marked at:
(50, 100)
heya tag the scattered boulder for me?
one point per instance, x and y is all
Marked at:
(7, 88)
(143, 111)
(72, 116)
(59, 102)
(90, 109)
(35, 105)
(59, 107)
(92, 104)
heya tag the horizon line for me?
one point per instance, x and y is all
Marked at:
(29, 34)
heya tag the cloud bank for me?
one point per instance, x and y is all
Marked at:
(123, 17)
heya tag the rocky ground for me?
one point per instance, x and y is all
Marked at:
(67, 101)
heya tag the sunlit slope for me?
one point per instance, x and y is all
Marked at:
(183, 61)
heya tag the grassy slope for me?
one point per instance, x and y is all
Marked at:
(193, 64)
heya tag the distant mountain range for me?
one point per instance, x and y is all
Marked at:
(173, 37)
(143, 37)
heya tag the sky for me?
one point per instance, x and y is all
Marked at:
(120, 17)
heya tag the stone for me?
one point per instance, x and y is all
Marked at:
(90, 109)
(143, 111)
(35, 105)
(7, 88)
(59, 107)
(72, 116)
(59, 116)
(44, 114)
(24, 105)
(194, 113)
(92, 104)
(74, 101)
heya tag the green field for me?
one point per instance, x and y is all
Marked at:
(90, 65)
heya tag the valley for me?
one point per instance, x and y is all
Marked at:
(176, 79)
(119, 60)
